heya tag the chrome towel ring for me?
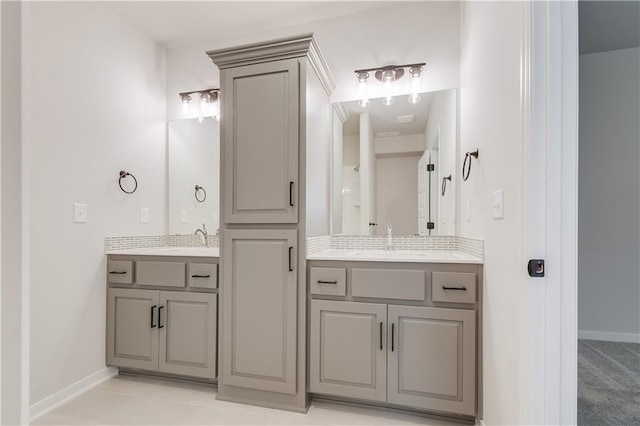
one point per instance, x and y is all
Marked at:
(444, 183)
(204, 194)
(466, 171)
(124, 174)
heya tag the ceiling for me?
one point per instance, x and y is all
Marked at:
(608, 25)
(176, 23)
(384, 118)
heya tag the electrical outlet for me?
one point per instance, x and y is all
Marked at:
(144, 215)
(497, 205)
(184, 216)
(79, 213)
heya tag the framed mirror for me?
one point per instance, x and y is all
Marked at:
(193, 161)
(396, 164)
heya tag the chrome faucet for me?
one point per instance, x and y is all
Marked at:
(389, 237)
(203, 231)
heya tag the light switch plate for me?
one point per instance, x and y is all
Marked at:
(79, 213)
(144, 215)
(497, 205)
(184, 216)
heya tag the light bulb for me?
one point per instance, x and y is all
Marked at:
(388, 75)
(415, 98)
(185, 99)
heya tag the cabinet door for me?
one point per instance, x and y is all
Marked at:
(259, 317)
(187, 326)
(132, 328)
(260, 137)
(432, 358)
(348, 353)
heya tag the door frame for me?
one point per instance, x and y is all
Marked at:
(550, 133)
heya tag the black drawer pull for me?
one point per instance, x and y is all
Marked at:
(444, 287)
(290, 259)
(393, 332)
(291, 194)
(118, 272)
(327, 282)
(381, 335)
(200, 276)
(160, 317)
(153, 308)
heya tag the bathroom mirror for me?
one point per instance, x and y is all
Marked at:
(392, 164)
(193, 160)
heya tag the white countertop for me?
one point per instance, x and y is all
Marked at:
(415, 256)
(171, 251)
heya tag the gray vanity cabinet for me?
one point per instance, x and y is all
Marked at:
(259, 309)
(188, 335)
(432, 358)
(132, 333)
(261, 151)
(348, 350)
(166, 331)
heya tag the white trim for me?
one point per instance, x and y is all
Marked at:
(72, 391)
(609, 336)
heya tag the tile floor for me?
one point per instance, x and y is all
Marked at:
(136, 400)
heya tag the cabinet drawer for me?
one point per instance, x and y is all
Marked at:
(388, 283)
(453, 287)
(162, 274)
(328, 281)
(203, 275)
(120, 271)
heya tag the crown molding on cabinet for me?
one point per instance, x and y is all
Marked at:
(285, 48)
(342, 111)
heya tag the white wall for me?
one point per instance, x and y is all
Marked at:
(194, 159)
(490, 119)
(442, 130)
(96, 105)
(351, 150)
(14, 358)
(609, 198)
(397, 194)
(336, 169)
(403, 143)
(410, 32)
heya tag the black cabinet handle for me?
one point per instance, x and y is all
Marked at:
(160, 317)
(393, 331)
(153, 308)
(291, 194)
(380, 335)
(454, 288)
(118, 272)
(200, 276)
(290, 259)
(327, 282)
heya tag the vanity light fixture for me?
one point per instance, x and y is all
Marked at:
(388, 75)
(208, 103)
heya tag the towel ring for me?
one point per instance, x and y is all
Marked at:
(123, 175)
(444, 183)
(467, 171)
(204, 196)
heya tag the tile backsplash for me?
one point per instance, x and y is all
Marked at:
(147, 241)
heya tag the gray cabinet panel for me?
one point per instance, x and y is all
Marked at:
(259, 322)
(131, 339)
(348, 352)
(203, 275)
(403, 284)
(432, 365)
(261, 143)
(188, 334)
(120, 271)
(453, 287)
(162, 274)
(328, 281)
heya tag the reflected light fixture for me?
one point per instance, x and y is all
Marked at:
(387, 76)
(208, 103)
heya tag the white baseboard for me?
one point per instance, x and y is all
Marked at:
(54, 401)
(609, 336)
(479, 422)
